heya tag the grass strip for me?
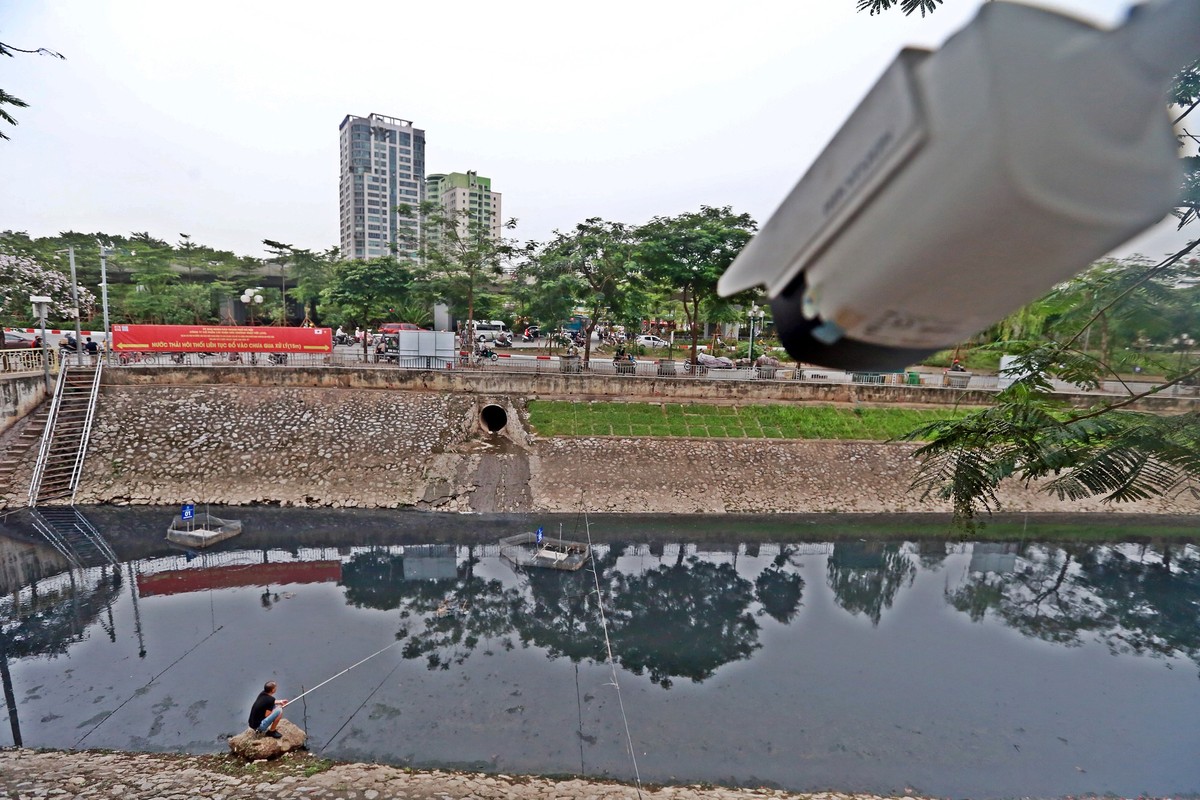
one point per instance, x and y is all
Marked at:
(667, 420)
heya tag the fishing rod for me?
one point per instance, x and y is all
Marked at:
(137, 692)
(343, 672)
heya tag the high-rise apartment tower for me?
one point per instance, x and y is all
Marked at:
(382, 169)
(467, 197)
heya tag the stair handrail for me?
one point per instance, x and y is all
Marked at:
(94, 536)
(39, 466)
(86, 436)
(47, 529)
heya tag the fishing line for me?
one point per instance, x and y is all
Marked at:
(612, 663)
(360, 707)
(143, 687)
(343, 672)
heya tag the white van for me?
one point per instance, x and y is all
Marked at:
(490, 330)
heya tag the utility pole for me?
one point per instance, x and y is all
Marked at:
(41, 305)
(104, 253)
(75, 300)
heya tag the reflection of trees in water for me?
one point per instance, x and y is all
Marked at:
(865, 576)
(374, 579)
(684, 620)
(681, 620)
(560, 613)
(1154, 605)
(1041, 598)
(778, 590)
(1145, 605)
(47, 623)
(452, 614)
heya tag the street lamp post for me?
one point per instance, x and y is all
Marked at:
(755, 311)
(70, 251)
(105, 251)
(41, 305)
(252, 298)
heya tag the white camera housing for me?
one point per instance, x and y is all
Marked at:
(971, 180)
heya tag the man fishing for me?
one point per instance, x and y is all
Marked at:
(267, 711)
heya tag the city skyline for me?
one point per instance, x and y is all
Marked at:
(168, 120)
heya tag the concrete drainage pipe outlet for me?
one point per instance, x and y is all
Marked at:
(494, 418)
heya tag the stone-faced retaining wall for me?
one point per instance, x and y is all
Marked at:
(356, 447)
(305, 447)
(19, 394)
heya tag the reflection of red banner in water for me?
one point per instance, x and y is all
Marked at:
(219, 339)
(181, 581)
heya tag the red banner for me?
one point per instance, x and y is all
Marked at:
(219, 339)
(235, 575)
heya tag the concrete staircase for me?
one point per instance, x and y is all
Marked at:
(24, 448)
(64, 441)
(63, 446)
(70, 533)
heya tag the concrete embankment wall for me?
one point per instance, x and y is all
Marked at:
(19, 394)
(263, 436)
(594, 387)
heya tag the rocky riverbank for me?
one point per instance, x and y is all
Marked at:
(143, 776)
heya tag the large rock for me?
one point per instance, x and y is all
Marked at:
(252, 745)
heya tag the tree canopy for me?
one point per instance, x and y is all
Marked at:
(7, 99)
(689, 252)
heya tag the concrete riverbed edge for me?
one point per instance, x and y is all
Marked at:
(27, 773)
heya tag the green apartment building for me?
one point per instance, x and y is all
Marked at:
(466, 191)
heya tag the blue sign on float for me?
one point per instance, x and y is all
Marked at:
(189, 511)
(539, 535)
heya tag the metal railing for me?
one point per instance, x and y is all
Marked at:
(24, 360)
(39, 467)
(84, 526)
(51, 534)
(86, 436)
(526, 361)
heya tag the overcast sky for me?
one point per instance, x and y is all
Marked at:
(220, 119)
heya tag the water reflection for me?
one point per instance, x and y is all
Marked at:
(1140, 599)
(766, 639)
(866, 576)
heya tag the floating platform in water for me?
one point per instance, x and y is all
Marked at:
(524, 550)
(202, 531)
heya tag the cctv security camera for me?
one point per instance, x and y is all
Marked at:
(971, 180)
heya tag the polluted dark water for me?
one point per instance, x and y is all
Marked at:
(744, 652)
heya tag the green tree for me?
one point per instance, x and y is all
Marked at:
(362, 292)
(687, 254)
(548, 299)
(311, 274)
(593, 265)
(460, 258)
(7, 99)
(907, 6)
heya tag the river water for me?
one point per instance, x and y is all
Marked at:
(745, 652)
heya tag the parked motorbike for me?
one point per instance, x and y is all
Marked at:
(479, 355)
